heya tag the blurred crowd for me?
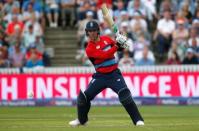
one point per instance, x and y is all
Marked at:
(158, 31)
(21, 34)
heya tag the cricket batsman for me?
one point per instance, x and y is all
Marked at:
(100, 50)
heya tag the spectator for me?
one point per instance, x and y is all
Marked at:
(14, 31)
(145, 57)
(185, 11)
(124, 17)
(12, 39)
(34, 58)
(165, 28)
(18, 42)
(180, 34)
(136, 6)
(35, 4)
(193, 41)
(190, 57)
(194, 38)
(140, 43)
(169, 5)
(126, 60)
(39, 44)
(173, 59)
(137, 19)
(179, 49)
(15, 11)
(29, 36)
(68, 16)
(138, 31)
(150, 6)
(195, 24)
(17, 55)
(52, 7)
(192, 5)
(15, 25)
(40, 47)
(180, 17)
(27, 14)
(120, 8)
(37, 29)
(37, 7)
(88, 5)
(9, 5)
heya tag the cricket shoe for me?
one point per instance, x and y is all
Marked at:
(140, 123)
(75, 123)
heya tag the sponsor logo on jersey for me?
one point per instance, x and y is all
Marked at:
(105, 42)
(97, 47)
(118, 79)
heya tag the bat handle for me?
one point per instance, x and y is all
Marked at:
(115, 29)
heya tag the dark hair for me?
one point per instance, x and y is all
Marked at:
(30, 26)
(176, 54)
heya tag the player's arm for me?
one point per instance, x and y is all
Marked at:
(94, 53)
(120, 38)
(119, 47)
(121, 41)
(115, 42)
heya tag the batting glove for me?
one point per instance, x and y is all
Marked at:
(121, 40)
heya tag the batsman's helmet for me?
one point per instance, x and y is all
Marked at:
(92, 26)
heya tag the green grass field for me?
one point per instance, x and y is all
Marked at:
(157, 118)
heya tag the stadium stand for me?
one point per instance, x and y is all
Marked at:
(63, 45)
(168, 28)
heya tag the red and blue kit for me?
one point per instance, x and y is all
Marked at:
(101, 54)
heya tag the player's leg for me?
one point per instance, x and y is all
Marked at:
(83, 107)
(130, 106)
(119, 86)
(94, 88)
(83, 101)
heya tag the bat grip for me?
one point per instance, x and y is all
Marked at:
(115, 29)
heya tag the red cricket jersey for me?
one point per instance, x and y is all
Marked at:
(101, 54)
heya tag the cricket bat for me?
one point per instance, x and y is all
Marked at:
(110, 22)
(109, 19)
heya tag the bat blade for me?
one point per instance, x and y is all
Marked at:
(109, 19)
(111, 23)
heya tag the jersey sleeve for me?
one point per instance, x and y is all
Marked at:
(112, 42)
